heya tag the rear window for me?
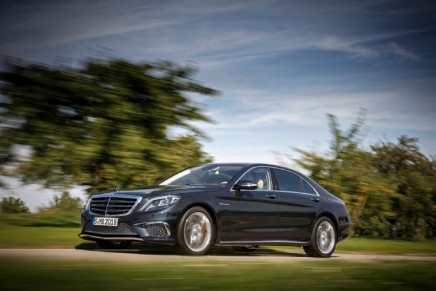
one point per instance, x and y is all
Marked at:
(288, 181)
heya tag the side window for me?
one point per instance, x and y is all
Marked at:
(259, 176)
(288, 181)
(307, 188)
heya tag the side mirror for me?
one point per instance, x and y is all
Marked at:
(245, 185)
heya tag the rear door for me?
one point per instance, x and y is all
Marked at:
(298, 207)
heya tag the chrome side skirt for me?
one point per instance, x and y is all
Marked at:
(263, 242)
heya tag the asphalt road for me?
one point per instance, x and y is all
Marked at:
(141, 255)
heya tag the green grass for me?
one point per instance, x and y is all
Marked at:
(372, 245)
(45, 219)
(12, 236)
(39, 230)
(215, 275)
(379, 246)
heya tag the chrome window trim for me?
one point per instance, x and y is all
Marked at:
(316, 192)
(295, 192)
(116, 195)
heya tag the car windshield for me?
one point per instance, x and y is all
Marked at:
(204, 175)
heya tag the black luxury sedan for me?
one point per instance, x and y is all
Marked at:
(232, 204)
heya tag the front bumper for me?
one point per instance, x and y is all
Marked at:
(156, 227)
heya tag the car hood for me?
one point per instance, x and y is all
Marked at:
(154, 191)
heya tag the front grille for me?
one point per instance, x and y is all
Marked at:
(113, 205)
(121, 229)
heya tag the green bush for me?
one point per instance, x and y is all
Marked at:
(13, 205)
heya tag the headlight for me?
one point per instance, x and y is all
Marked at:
(159, 202)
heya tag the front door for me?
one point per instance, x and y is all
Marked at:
(252, 215)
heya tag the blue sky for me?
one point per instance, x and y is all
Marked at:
(280, 65)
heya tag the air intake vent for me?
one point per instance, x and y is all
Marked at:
(113, 205)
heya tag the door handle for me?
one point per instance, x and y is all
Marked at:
(315, 199)
(270, 196)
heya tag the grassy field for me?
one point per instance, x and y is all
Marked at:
(39, 230)
(215, 275)
(372, 245)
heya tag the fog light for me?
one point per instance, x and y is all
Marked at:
(156, 229)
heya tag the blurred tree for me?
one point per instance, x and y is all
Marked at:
(63, 202)
(13, 205)
(414, 178)
(397, 180)
(347, 171)
(105, 124)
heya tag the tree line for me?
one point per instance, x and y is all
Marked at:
(396, 180)
(60, 204)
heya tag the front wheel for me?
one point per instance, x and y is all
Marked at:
(107, 244)
(195, 232)
(323, 240)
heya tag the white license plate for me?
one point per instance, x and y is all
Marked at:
(106, 221)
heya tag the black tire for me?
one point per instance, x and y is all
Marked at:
(195, 231)
(107, 244)
(323, 240)
(246, 249)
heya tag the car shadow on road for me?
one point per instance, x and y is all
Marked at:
(150, 249)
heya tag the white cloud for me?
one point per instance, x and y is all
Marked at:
(396, 49)
(163, 29)
(386, 110)
(51, 24)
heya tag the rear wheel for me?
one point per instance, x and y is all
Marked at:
(195, 232)
(108, 244)
(323, 240)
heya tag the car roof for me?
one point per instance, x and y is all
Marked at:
(245, 164)
(250, 165)
(242, 164)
